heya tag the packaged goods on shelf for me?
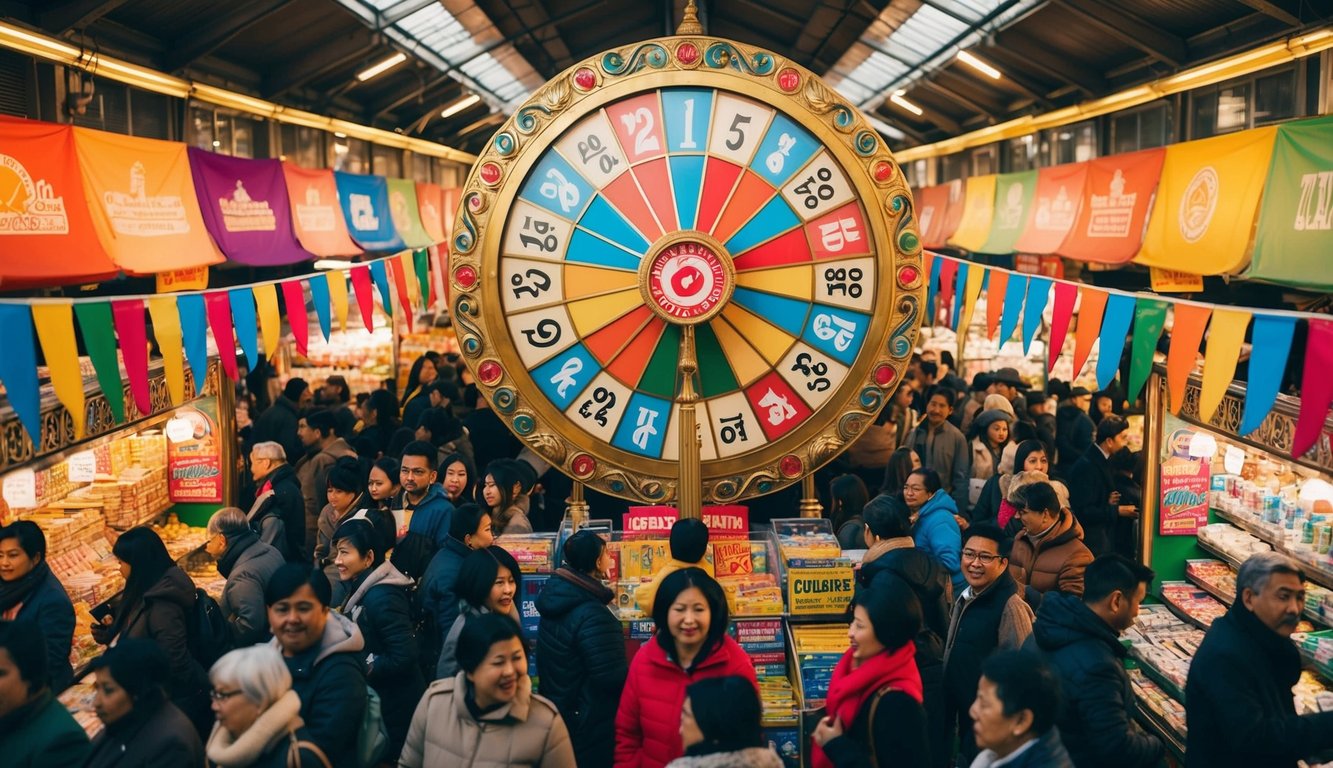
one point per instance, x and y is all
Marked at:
(1231, 541)
(1195, 603)
(744, 569)
(817, 649)
(67, 525)
(1214, 575)
(1161, 703)
(533, 552)
(1164, 643)
(1317, 648)
(84, 648)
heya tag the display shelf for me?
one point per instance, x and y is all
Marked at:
(1219, 553)
(1314, 602)
(1317, 566)
(1193, 606)
(1317, 652)
(1157, 676)
(1159, 712)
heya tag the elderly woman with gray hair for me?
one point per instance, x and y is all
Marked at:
(258, 714)
(247, 564)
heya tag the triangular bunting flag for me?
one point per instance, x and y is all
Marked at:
(380, 274)
(167, 331)
(936, 264)
(18, 368)
(960, 294)
(1065, 296)
(1316, 387)
(1013, 305)
(365, 295)
(997, 287)
(218, 305)
(976, 277)
(421, 268)
(99, 338)
(1270, 343)
(337, 280)
(433, 272)
(1186, 333)
(194, 330)
(1038, 293)
(400, 285)
(1115, 326)
(1149, 319)
(133, 336)
(55, 331)
(1225, 334)
(246, 323)
(293, 298)
(270, 322)
(319, 296)
(948, 275)
(1091, 308)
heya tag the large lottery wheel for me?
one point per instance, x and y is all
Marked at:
(686, 230)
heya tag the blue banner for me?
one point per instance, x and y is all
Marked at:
(365, 204)
(1115, 326)
(1270, 343)
(194, 331)
(18, 368)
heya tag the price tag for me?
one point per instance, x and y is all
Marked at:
(83, 467)
(20, 489)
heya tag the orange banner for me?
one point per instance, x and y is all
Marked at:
(939, 209)
(1186, 333)
(1116, 198)
(1203, 218)
(978, 211)
(1055, 207)
(316, 217)
(430, 204)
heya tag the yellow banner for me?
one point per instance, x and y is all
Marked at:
(819, 591)
(1225, 335)
(167, 331)
(270, 322)
(978, 211)
(1202, 220)
(338, 296)
(55, 330)
(409, 268)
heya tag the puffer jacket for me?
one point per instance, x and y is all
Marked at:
(330, 678)
(448, 663)
(945, 451)
(381, 608)
(754, 757)
(436, 602)
(247, 565)
(525, 732)
(581, 662)
(937, 533)
(163, 617)
(1097, 714)
(278, 514)
(1056, 562)
(48, 606)
(648, 722)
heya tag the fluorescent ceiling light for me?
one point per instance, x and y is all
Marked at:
(382, 67)
(979, 65)
(897, 98)
(459, 106)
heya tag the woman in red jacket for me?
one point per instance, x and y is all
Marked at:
(691, 643)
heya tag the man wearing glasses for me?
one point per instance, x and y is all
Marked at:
(989, 615)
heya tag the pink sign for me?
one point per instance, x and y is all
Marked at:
(1185, 482)
(723, 521)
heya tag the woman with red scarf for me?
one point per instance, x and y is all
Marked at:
(873, 711)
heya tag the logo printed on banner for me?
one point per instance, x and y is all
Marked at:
(1113, 212)
(363, 213)
(1011, 215)
(1198, 204)
(1057, 214)
(1315, 211)
(402, 219)
(27, 207)
(314, 214)
(241, 213)
(138, 214)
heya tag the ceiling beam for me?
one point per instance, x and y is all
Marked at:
(399, 11)
(1131, 30)
(929, 114)
(956, 97)
(217, 32)
(307, 66)
(1015, 51)
(1273, 9)
(75, 14)
(1016, 80)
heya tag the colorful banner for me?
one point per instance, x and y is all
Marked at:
(337, 296)
(938, 211)
(298, 318)
(1055, 208)
(1115, 327)
(1187, 327)
(365, 295)
(270, 322)
(1014, 294)
(194, 454)
(997, 286)
(1116, 198)
(1225, 335)
(365, 206)
(317, 219)
(1149, 320)
(55, 331)
(167, 330)
(194, 330)
(1295, 234)
(405, 210)
(430, 206)
(46, 231)
(99, 338)
(1013, 203)
(1038, 293)
(1066, 294)
(143, 202)
(1316, 387)
(319, 298)
(18, 368)
(218, 306)
(246, 322)
(1204, 213)
(1270, 344)
(1185, 482)
(245, 207)
(978, 210)
(133, 336)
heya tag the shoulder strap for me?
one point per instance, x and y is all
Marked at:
(294, 754)
(870, 723)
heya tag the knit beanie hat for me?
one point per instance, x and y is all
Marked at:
(998, 402)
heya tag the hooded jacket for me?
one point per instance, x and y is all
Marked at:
(581, 662)
(1056, 562)
(648, 722)
(247, 565)
(527, 731)
(330, 678)
(937, 532)
(278, 514)
(1097, 717)
(754, 757)
(946, 452)
(382, 610)
(313, 474)
(163, 617)
(1073, 436)
(1238, 699)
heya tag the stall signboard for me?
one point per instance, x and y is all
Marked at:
(978, 209)
(819, 591)
(194, 454)
(723, 521)
(1013, 204)
(246, 208)
(189, 279)
(405, 210)
(1117, 195)
(1055, 205)
(365, 206)
(317, 220)
(1183, 507)
(1295, 233)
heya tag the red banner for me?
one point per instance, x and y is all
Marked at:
(1116, 199)
(1055, 208)
(723, 521)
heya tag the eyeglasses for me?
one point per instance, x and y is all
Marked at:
(916, 488)
(223, 695)
(986, 558)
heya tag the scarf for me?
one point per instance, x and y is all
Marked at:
(280, 720)
(235, 546)
(13, 593)
(598, 590)
(1006, 513)
(883, 546)
(850, 689)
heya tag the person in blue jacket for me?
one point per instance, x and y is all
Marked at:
(431, 510)
(936, 530)
(29, 590)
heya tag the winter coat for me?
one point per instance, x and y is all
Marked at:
(431, 516)
(42, 734)
(381, 608)
(1091, 482)
(163, 616)
(899, 730)
(414, 407)
(754, 757)
(1046, 751)
(1097, 714)
(852, 533)
(448, 664)
(525, 732)
(1238, 701)
(1073, 437)
(436, 602)
(648, 722)
(48, 606)
(159, 737)
(278, 424)
(1056, 562)
(937, 532)
(247, 570)
(945, 451)
(987, 507)
(982, 469)
(278, 514)
(269, 742)
(511, 521)
(581, 662)
(330, 678)
(313, 475)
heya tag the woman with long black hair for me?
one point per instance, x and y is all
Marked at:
(415, 400)
(381, 421)
(501, 491)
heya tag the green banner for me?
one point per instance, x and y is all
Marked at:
(1013, 201)
(1295, 234)
(100, 341)
(406, 216)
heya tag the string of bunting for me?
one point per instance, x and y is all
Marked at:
(1106, 316)
(181, 323)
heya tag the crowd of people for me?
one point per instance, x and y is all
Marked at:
(369, 616)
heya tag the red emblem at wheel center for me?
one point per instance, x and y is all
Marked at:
(687, 281)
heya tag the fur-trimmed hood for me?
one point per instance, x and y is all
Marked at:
(754, 757)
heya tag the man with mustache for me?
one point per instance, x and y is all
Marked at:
(1239, 709)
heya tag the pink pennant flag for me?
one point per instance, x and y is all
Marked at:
(218, 304)
(1065, 296)
(948, 276)
(293, 296)
(400, 285)
(1316, 387)
(133, 335)
(365, 295)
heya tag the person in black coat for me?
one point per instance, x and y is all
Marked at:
(435, 600)
(29, 590)
(1092, 494)
(1238, 701)
(278, 422)
(278, 512)
(892, 555)
(1073, 430)
(143, 728)
(1080, 639)
(1014, 708)
(247, 564)
(580, 649)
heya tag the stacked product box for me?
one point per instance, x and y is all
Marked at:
(765, 642)
(743, 567)
(529, 618)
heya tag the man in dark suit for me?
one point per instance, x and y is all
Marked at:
(1092, 493)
